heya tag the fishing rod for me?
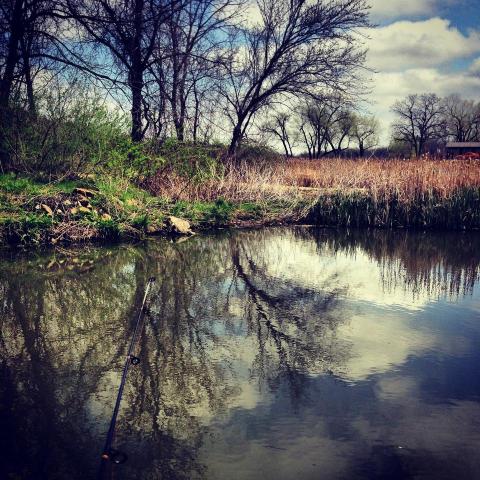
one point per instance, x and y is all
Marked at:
(109, 453)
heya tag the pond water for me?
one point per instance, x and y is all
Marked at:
(282, 353)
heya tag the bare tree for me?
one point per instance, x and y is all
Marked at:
(365, 132)
(326, 125)
(420, 119)
(188, 54)
(278, 126)
(13, 25)
(26, 32)
(296, 48)
(462, 119)
(128, 31)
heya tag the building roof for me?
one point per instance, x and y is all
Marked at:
(463, 145)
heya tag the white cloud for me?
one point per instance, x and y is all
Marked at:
(400, 8)
(421, 44)
(418, 57)
(475, 66)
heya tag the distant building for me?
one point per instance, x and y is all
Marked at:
(460, 148)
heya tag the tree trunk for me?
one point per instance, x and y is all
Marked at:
(285, 148)
(180, 124)
(27, 71)
(136, 86)
(196, 117)
(11, 61)
(361, 149)
(236, 137)
(136, 73)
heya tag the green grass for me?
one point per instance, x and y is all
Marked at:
(217, 212)
(13, 184)
(27, 228)
(460, 210)
(9, 183)
(120, 209)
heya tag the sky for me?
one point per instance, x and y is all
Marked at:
(422, 46)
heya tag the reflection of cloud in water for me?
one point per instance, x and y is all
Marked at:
(246, 394)
(378, 344)
(305, 266)
(272, 354)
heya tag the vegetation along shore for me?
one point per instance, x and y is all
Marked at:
(210, 193)
(119, 118)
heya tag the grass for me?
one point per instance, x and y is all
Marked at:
(419, 193)
(338, 192)
(405, 177)
(35, 213)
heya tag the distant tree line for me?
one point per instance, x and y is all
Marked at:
(329, 126)
(425, 123)
(185, 68)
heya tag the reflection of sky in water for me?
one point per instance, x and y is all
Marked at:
(405, 400)
(272, 354)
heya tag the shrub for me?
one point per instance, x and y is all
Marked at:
(71, 133)
(195, 162)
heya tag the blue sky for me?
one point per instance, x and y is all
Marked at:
(422, 46)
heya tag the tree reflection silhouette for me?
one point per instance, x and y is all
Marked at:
(218, 310)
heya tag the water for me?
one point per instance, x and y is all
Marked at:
(270, 354)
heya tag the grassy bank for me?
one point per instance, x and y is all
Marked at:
(102, 208)
(441, 194)
(336, 192)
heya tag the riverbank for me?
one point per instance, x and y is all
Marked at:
(105, 209)
(418, 194)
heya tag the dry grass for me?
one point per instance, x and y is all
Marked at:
(292, 179)
(405, 177)
(237, 183)
(419, 193)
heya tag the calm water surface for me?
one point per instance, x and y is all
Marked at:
(271, 354)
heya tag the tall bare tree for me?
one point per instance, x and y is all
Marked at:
(325, 126)
(296, 47)
(127, 30)
(13, 26)
(188, 54)
(462, 119)
(278, 126)
(364, 132)
(28, 33)
(420, 119)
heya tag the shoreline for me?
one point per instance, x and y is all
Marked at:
(105, 208)
(43, 230)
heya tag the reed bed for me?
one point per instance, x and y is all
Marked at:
(251, 182)
(404, 177)
(420, 193)
(258, 181)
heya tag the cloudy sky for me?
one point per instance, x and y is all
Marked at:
(422, 46)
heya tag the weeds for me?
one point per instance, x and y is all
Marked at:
(392, 194)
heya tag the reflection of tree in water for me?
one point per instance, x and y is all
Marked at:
(294, 325)
(435, 263)
(53, 358)
(63, 335)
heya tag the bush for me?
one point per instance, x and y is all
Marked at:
(256, 153)
(196, 162)
(71, 133)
